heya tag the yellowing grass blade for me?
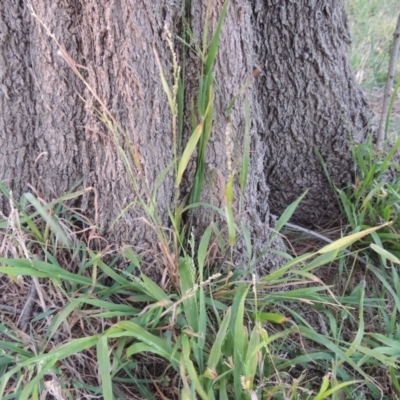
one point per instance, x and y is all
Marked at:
(164, 82)
(187, 153)
(384, 253)
(271, 317)
(348, 240)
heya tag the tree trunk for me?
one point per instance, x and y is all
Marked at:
(309, 100)
(305, 97)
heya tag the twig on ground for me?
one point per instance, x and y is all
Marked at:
(27, 311)
(16, 311)
(388, 88)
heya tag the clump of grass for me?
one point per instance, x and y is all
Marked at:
(104, 328)
(217, 336)
(374, 198)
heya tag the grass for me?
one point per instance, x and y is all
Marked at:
(102, 328)
(217, 336)
(372, 23)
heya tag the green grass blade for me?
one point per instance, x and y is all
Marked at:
(61, 317)
(104, 365)
(216, 349)
(153, 289)
(287, 214)
(40, 269)
(223, 392)
(229, 211)
(239, 340)
(191, 369)
(54, 226)
(187, 153)
(165, 83)
(187, 284)
(30, 387)
(132, 329)
(202, 253)
(384, 253)
(252, 357)
(247, 240)
(328, 393)
(213, 48)
(202, 332)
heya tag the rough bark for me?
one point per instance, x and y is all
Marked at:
(49, 137)
(305, 97)
(308, 99)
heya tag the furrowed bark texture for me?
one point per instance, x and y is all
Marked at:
(236, 63)
(49, 137)
(308, 99)
(304, 98)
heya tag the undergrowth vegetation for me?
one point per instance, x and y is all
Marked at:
(372, 24)
(81, 321)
